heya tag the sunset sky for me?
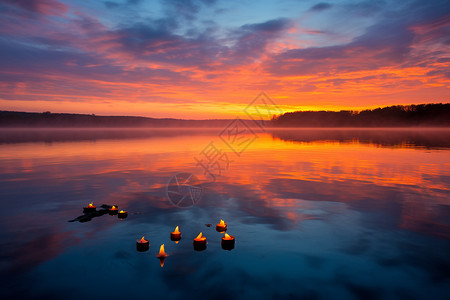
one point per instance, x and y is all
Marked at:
(210, 59)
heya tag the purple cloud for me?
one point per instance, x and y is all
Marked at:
(45, 7)
(387, 43)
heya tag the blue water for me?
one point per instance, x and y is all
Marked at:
(345, 214)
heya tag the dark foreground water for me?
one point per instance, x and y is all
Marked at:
(317, 214)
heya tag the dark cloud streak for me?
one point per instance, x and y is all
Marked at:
(321, 6)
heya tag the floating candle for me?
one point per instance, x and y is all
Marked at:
(90, 208)
(142, 245)
(123, 214)
(200, 242)
(161, 255)
(113, 210)
(228, 242)
(176, 235)
(222, 226)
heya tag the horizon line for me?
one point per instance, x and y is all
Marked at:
(218, 119)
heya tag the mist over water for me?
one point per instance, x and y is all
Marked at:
(317, 213)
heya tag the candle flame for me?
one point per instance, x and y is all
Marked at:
(227, 237)
(176, 230)
(122, 211)
(200, 237)
(143, 240)
(162, 253)
(221, 223)
(113, 207)
(91, 204)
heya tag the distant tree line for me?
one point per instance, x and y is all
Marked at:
(58, 120)
(426, 115)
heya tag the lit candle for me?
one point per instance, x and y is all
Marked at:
(200, 243)
(142, 245)
(161, 255)
(222, 226)
(113, 210)
(176, 235)
(90, 208)
(122, 214)
(228, 242)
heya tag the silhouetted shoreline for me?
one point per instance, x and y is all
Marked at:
(422, 115)
(15, 119)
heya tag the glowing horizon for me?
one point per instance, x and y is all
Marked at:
(210, 59)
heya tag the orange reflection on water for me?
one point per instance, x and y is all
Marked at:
(334, 161)
(313, 161)
(272, 173)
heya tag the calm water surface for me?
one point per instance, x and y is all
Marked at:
(317, 214)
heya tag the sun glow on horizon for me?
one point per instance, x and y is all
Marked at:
(190, 71)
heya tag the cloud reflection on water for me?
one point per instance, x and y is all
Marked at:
(332, 207)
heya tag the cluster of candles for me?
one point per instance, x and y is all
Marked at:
(142, 245)
(199, 242)
(114, 210)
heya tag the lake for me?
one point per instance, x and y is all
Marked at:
(316, 213)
